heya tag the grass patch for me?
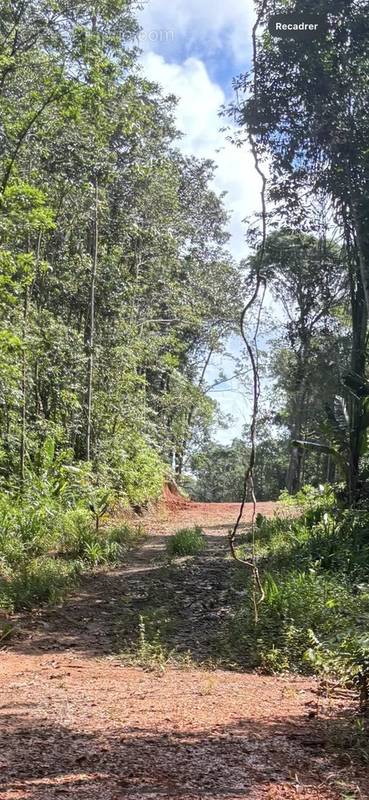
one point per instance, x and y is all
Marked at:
(150, 652)
(6, 632)
(44, 548)
(108, 545)
(186, 542)
(39, 581)
(315, 616)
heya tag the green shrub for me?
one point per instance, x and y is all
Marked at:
(100, 551)
(89, 545)
(6, 602)
(27, 530)
(186, 542)
(42, 580)
(51, 530)
(107, 546)
(100, 501)
(31, 532)
(76, 531)
(310, 496)
(125, 535)
(315, 573)
(6, 631)
(295, 603)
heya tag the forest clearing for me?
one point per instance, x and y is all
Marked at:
(82, 719)
(184, 399)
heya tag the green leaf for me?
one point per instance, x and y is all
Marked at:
(322, 448)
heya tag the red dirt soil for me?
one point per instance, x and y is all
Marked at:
(179, 510)
(77, 723)
(220, 513)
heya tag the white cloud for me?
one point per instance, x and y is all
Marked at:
(199, 100)
(201, 25)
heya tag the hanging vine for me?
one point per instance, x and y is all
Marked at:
(253, 354)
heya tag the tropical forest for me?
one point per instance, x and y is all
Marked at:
(184, 400)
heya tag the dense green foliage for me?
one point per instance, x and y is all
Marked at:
(315, 573)
(45, 544)
(115, 279)
(218, 471)
(115, 284)
(308, 113)
(304, 106)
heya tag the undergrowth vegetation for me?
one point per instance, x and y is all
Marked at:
(315, 573)
(52, 531)
(186, 542)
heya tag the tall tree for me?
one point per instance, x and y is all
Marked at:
(310, 115)
(307, 277)
(117, 281)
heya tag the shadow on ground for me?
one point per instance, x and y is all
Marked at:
(251, 759)
(182, 605)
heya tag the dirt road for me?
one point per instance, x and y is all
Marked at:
(77, 722)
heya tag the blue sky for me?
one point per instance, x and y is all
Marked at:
(194, 49)
(218, 34)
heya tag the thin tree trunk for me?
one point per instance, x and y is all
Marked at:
(358, 359)
(92, 323)
(23, 442)
(295, 463)
(363, 251)
(36, 391)
(359, 317)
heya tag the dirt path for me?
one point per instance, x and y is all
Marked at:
(77, 722)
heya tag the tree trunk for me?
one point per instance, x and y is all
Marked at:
(295, 463)
(362, 241)
(178, 462)
(91, 337)
(358, 360)
(23, 442)
(179, 456)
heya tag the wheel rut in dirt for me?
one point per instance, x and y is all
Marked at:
(182, 605)
(77, 722)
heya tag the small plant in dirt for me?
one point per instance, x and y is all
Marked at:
(126, 535)
(345, 655)
(6, 631)
(148, 652)
(99, 503)
(186, 542)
